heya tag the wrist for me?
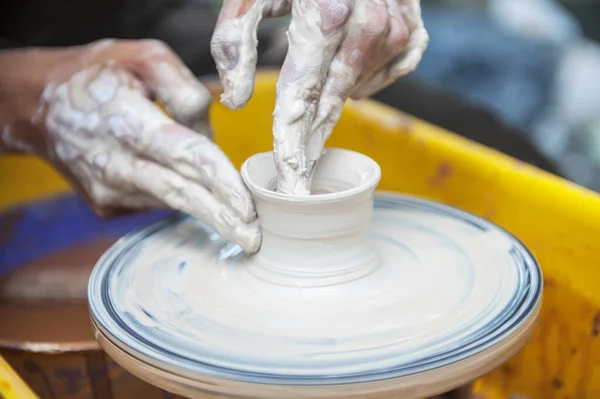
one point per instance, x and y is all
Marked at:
(24, 75)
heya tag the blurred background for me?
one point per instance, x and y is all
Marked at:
(534, 63)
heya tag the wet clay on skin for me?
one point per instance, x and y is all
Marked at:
(337, 49)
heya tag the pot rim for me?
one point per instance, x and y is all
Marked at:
(369, 184)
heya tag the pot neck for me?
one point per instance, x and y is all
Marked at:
(316, 240)
(315, 245)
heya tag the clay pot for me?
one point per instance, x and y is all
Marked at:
(316, 240)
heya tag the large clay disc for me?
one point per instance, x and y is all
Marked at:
(454, 296)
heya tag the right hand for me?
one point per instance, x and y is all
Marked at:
(97, 123)
(338, 49)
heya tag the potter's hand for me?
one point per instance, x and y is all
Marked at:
(97, 123)
(337, 49)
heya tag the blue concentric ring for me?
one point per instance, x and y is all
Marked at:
(508, 321)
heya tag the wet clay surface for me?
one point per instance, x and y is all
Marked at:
(46, 300)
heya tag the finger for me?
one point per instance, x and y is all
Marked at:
(189, 154)
(395, 42)
(105, 199)
(401, 66)
(408, 60)
(367, 29)
(82, 179)
(314, 35)
(178, 193)
(165, 77)
(234, 45)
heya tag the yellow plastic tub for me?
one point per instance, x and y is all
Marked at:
(11, 386)
(557, 220)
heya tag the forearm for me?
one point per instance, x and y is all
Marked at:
(23, 78)
(20, 90)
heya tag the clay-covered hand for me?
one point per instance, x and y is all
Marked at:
(337, 49)
(91, 112)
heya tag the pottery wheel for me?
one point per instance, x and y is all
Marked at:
(349, 295)
(450, 285)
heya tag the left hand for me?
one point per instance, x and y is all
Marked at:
(337, 49)
(90, 111)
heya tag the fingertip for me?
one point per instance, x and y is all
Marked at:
(189, 104)
(236, 97)
(237, 82)
(249, 237)
(238, 85)
(243, 206)
(103, 212)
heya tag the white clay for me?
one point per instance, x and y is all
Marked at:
(303, 74)
(337, 293)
